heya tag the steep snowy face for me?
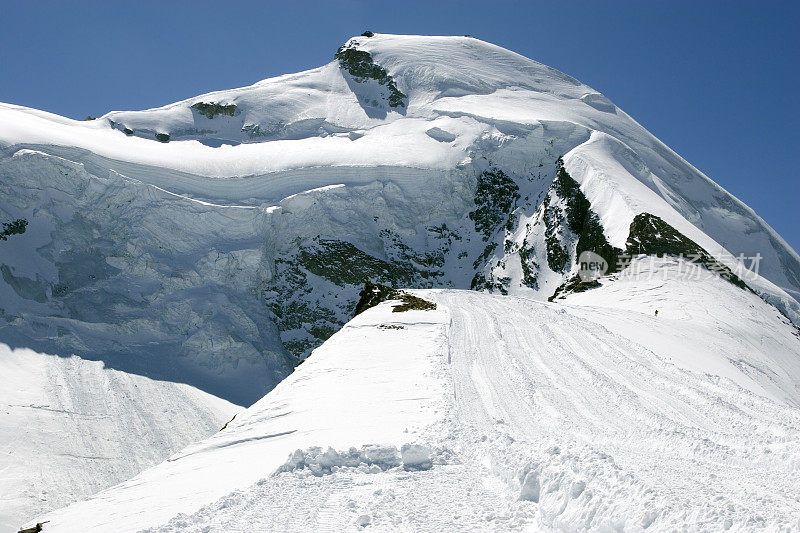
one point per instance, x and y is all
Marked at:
(218, 240)
(109, 270)
(506, 414)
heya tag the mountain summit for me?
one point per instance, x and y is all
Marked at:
(218, 241)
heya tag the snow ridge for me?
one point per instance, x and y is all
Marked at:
(545, 416)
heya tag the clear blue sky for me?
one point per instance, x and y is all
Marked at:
(719, 82)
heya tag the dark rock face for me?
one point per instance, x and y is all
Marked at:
(361, 66)
(650, 235)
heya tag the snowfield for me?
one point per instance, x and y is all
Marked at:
(504, 413)
(181, 261)
(70, 428)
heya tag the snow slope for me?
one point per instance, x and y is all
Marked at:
(505, 413)
(70, 428)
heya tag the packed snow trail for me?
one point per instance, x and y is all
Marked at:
(519, 414)
(601, 410)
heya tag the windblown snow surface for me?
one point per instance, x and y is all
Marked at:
(207, 247)
(70, 427)
(504, 413)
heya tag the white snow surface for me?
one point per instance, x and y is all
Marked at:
(505, 414)
(71, 427)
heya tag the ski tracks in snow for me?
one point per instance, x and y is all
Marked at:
(594, 429)
(542, 418)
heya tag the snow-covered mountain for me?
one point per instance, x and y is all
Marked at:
(217, 241)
